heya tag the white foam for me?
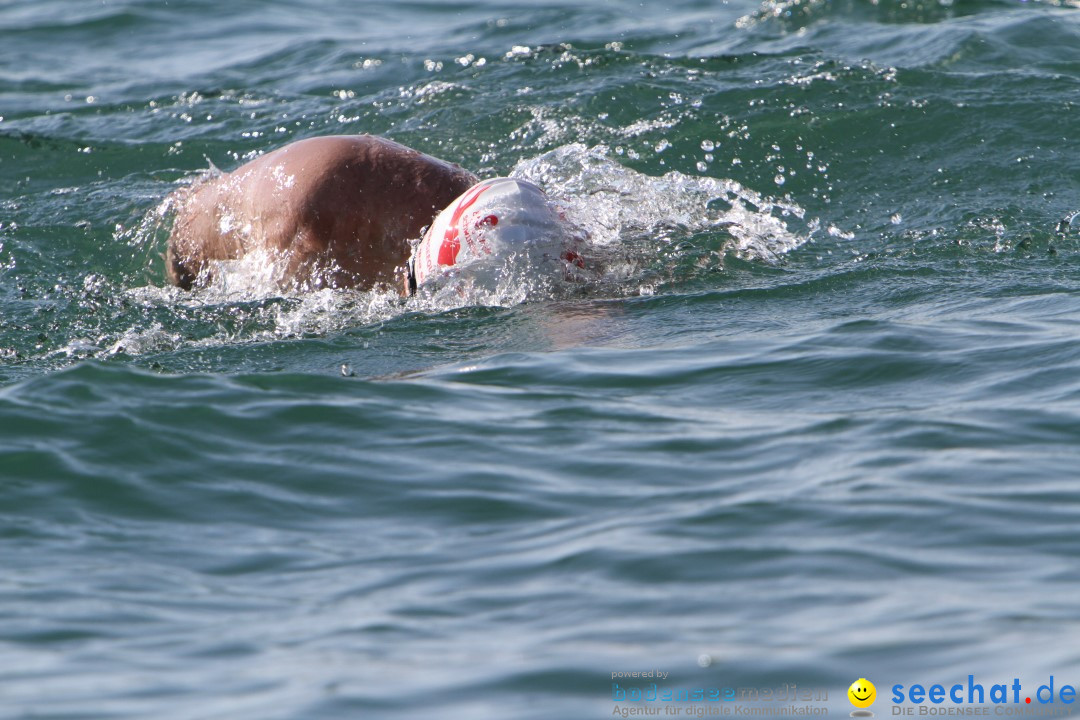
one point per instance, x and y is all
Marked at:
(616, 204)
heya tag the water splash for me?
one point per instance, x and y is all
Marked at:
(619, 206)
(638, 233)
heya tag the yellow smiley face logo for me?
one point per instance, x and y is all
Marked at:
(862, 693)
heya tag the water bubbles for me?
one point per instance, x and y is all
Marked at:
(470, 59)
(896, 219)
(708, 146)
(779, 179)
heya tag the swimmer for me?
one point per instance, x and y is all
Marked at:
(343, 211)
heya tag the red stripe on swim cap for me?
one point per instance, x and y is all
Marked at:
(449, 249)
(451, 243)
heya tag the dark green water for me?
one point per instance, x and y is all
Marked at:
(818, 419)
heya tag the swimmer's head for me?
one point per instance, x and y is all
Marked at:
(488, 221)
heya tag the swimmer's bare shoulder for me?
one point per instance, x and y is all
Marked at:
(340, 211)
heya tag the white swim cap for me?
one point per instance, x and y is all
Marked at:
(489, 220)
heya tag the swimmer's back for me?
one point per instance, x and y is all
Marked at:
(340, 210)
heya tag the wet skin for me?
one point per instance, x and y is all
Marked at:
(337, 211)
